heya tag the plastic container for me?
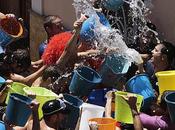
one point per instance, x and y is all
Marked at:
(87, 32)
(113, 5)
(73, 105)
(83, 81)
(105, 123)
(42, 95)
(114, 67)
(122, 110)
(97, 96)
(166, 80)
(2, 126)
(18, 111)
(90, 111)
(170, 100)
(2, 81)
(6, 38)
(140, 84)
(16, 88)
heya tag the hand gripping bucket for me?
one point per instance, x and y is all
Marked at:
(18, 111)
(122, 110)
(73, 104)
(114, 67)
(42, 95)
(105, 123)
(6, 38)
(87, 32)
(83, 81)
(15, 88)
(2, 126)
(140, 84)
(170, 100)
(166, 80)
(90, 111)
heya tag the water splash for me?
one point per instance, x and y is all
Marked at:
(107, 37)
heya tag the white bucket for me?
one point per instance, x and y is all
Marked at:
(90, 111)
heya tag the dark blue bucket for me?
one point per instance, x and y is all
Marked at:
(73, 104)
(83, 81)
(113, 5)
(140, 84)
(5, 38)
(170, 100)
(114, 67)
(18, 111)
(97, 96)
(87, 31)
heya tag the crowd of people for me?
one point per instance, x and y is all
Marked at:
(61, 53)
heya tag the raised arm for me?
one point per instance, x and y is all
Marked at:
(132, 100)
(71, 47)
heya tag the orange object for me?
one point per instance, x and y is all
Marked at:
(10, 25)
(105, 123)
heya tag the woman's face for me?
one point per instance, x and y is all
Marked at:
(157, 54)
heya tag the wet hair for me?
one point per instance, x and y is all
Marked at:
(21, 57)
(169, 50)
(51, 19)
(52, 72)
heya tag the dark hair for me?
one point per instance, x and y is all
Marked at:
(52, 72)
(51, 19)
(21, 57)
(169, 50)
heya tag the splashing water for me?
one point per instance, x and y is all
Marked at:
(107, 37)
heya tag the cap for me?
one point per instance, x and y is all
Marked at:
(53, 106)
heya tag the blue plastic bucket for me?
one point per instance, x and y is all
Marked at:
(170, 100)
(140, 84)
(83, 81)
(87, 31)
(2, 81)
(113, 5)
(2, 126)
(18, 111)
(113, 68)
(97, 96)
(6, 38)
(73, 105)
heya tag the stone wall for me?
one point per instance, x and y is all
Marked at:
(37, 34)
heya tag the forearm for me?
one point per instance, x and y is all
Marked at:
(136, 119)
(36, 122)
(108, 108)
(29, 79)
(70, 48)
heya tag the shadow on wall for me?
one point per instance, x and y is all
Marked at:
(37, 34)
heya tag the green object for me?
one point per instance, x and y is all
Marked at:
(122, 110)
(15, 88)
(42, 95)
